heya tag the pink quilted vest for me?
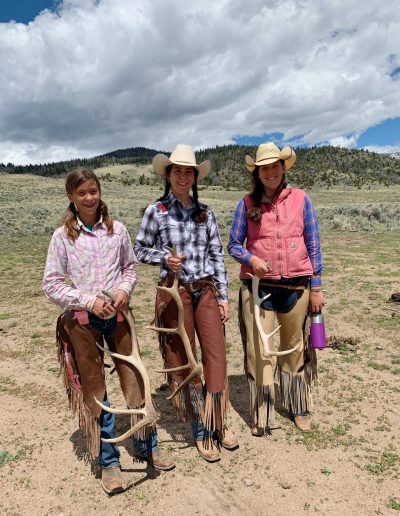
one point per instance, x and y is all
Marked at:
(278, 236)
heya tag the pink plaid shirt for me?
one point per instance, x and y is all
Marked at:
(95, 261)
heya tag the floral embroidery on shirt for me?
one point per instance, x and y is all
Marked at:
(161, 207)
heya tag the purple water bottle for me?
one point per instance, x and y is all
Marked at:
(317, 331)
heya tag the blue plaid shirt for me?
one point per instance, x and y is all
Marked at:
(238, 235)
(168, 223)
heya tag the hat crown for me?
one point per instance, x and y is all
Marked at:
(267, 151)
(183, 154)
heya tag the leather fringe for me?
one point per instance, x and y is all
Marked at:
(295, 392)
(216, 408)
(190, 404)
(143, 432)
(183, 401)
(89, 424)
(262, 403)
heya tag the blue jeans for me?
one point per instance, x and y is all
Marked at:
(109, 454)
(198, 430)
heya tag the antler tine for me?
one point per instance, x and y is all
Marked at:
(149, 412)
(267, 352)
(192, 364)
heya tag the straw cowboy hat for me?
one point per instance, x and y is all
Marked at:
(181, 155)
(268, 153)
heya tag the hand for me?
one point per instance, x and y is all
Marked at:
(121, 299)
(224, 311)
(103, 309)
(175, 262)
(316, 302)
(260, 267)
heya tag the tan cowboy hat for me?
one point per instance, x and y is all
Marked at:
(268, 153)
(181, 155)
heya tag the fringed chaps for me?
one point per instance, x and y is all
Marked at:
(208, 402)
(88, 423)
(81, 364)
(296, 371)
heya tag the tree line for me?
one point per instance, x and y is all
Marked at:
(316, 166)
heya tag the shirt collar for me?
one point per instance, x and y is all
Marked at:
(82, 225)
(171, 199)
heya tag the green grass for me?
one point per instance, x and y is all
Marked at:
(318, 438)
(378, 366)
(5, 457)
(394, 503)
(383, 464)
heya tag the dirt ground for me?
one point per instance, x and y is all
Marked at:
(348, 464)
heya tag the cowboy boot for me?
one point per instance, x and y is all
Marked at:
(207, 450)
(303, 423)
(160, 460)
(227, 439)
(111, 480)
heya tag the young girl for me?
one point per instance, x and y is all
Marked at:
(96, 254)
(179, 220)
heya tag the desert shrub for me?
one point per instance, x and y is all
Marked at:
(372, 217)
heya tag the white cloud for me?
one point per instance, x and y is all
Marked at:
(108, 74)
(343, 141)
(384, 149)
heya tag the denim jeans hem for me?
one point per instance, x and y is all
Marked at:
(113, 464)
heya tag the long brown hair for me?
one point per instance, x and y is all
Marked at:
(73, 180)
(254, 213)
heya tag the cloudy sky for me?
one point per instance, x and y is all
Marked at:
(84, 77)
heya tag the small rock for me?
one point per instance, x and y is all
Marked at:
(248, 482)
(395, 297)
(285, 485)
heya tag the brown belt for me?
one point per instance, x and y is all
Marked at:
(191, 287)
(289, 287)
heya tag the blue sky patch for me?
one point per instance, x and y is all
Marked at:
(24, 11)
(385, 133)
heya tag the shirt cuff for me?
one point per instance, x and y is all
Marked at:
(164, 259)
(126, 287)
(246, 258)
(87, 301)
(316, 282)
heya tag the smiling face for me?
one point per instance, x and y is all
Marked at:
(181, 179)
(271, 177)
(86, 198)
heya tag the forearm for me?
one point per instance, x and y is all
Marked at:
(238, 235)
(313, 244)
(150, 256)
(68, 298)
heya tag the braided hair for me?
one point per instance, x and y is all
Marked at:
(200, 214)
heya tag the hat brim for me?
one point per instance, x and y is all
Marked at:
(161, 162)
(287, 154)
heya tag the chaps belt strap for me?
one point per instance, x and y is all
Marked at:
(289, 287)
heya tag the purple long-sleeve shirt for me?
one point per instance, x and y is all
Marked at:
(238, 235)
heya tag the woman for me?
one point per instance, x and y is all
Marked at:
(96, 254)
(283, 249)
(180, 220)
